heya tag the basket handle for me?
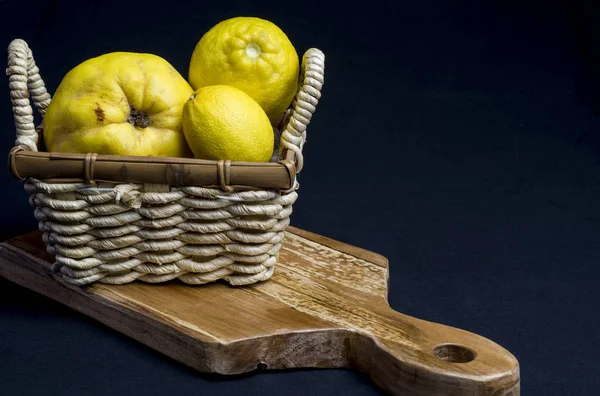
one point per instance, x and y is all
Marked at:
(304, 104)
(24, 79)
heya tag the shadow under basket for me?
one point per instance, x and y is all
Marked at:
(117, 219)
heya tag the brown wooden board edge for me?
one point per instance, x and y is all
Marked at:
(70, 167)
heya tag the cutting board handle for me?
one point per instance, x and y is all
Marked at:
(414, 357)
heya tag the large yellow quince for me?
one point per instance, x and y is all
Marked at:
(120, 103)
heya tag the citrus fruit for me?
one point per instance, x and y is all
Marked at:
(251, 54)
(221, 122)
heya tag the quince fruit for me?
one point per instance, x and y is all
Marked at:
(119, 103)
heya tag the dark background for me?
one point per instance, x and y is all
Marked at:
(459, 139)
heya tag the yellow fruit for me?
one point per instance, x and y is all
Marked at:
(251, 54)
(223, 123)
(119, 103)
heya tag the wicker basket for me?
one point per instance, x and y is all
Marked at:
(117, 219)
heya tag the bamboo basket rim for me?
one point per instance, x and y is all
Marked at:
(59, 167)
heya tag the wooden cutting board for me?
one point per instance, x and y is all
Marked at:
(326, 306)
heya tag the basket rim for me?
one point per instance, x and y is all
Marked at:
(70, 167)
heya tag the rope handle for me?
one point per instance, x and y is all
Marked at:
(24, 80)
(303, 105)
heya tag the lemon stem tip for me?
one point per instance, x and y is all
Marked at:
(253, 50)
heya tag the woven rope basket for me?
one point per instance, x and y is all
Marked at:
(162, 218)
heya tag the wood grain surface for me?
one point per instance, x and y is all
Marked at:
(325, 306)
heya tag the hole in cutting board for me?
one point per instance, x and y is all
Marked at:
(454, 353)
(261, 366)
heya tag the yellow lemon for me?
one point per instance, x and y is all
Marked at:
(251, 54)
(119, 103)
(223, 123)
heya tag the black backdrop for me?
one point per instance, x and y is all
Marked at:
(459, 139)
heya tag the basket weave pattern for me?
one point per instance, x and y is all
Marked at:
(116, 233)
